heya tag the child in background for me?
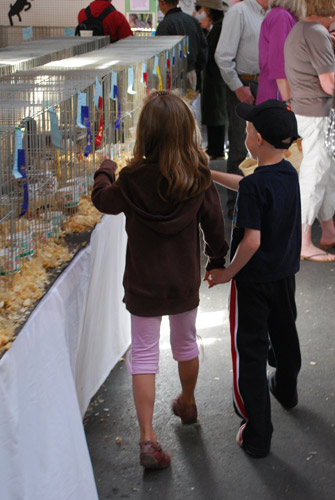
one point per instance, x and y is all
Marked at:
(165, 192)
(265, 255)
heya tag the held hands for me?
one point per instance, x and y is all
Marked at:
(244, 94)
(217, 276)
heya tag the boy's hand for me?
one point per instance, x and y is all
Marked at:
(217, 276)
(249, 245)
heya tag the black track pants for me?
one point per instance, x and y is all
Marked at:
(259, 312)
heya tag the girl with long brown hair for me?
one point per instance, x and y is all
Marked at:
(166, 194)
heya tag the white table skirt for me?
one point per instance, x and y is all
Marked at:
(61, 357)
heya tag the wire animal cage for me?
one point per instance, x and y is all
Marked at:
(59, 121)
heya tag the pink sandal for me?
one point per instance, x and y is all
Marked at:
(152, 456)
(188, 414)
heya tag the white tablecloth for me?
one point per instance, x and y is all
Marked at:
(61, 357)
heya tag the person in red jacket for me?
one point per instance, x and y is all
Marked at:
(115, 24)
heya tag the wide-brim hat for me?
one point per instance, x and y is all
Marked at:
(211, 4)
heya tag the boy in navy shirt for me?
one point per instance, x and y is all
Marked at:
(265, 255)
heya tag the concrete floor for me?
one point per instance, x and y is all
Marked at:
(206, 461)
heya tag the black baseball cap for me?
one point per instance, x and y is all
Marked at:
(273, 119)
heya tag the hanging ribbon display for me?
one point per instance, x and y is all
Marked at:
(114, 82)
(54, 129)
(98, 92)
(18, 146)
(145, 79)
(21, 160)
(154, 71)
(157, 72)
(180, 57)
(99, 137)
(85, 118)
(130, 89)
(55, 137)
(186, 51)
(27, 33)
(82, 100)
(160, 82)
(116, 97)
(170, 77)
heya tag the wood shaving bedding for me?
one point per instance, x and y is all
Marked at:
(86, 217)
(28, 286)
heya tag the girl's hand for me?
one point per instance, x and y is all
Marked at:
(217, 276)
(109, 164)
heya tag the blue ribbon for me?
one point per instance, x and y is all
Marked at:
(21, 162)
(114, 82)
(116, 96)
(18, 146)
(82, 101)
(85, 118)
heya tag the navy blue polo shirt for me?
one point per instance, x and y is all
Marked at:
(269, 201)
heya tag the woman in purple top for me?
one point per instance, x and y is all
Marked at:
(275, 28)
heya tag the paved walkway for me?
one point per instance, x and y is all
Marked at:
(206, 461)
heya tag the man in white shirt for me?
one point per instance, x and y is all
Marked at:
(237, 57)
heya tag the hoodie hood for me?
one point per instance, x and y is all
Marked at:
(140, 189)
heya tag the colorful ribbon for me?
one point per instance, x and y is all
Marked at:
(170, 78)
(116, 96)
(82, 101)
(21, 160)
(98, 92)
(131, 81)
(100, 134)
(85, 118)
(145, 79)
(54, 129)
(18, 146)
(160, 83)
(186, 51)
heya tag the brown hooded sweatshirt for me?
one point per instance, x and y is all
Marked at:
(162, 272)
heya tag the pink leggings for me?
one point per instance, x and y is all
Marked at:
(145, 334)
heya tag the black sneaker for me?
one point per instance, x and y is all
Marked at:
(288, 404)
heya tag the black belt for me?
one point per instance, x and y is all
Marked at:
(249, 78)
